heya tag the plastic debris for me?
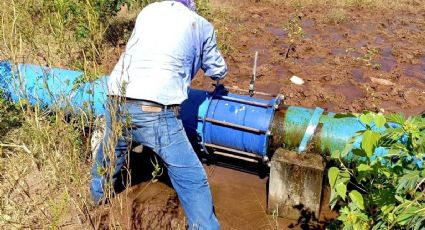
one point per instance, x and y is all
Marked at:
(297, 80)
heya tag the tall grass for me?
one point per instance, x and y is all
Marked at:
(45, 161)
(45, 155)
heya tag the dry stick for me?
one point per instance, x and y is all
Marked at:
(23, 147)
(87, 213)
(289, 49)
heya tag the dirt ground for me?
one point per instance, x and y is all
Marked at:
(351, 60)
(334, 59)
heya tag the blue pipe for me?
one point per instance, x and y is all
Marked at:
(219, 120)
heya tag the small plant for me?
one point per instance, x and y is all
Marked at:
(336, 16)
(385, 188)
(295, 33)
(367, 58)
(294, 30)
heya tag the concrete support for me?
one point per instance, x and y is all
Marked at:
(295, 184)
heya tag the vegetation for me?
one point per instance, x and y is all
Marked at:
(384, 188)
(295, 32)
(44, 154)
(336, 16)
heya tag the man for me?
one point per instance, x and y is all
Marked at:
(168, 45)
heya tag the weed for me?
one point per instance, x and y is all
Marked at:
(369, 55)
(295, 33)
(294, 30)
(336, 16)
(220, 18)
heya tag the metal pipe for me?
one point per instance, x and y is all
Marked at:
(236, 157)
(228, 124)
(233, 150)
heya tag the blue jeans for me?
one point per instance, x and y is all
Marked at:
(162, 132)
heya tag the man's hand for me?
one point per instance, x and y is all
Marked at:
(219, 89)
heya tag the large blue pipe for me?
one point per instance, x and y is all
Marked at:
(239, 126)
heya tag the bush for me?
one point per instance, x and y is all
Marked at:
(385, 188)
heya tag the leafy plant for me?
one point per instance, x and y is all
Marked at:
(295, 33)
(367, 58)
(385, 187)
(294, 30)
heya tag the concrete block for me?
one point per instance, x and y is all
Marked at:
(295, 184)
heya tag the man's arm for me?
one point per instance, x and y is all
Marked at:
(213, 63)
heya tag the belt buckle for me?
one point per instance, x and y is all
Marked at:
(151, 109)
(176, 111)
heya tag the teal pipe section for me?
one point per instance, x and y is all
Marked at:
(50, 87)
(291, 127)
(333, 132)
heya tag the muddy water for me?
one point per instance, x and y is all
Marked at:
(240, 201)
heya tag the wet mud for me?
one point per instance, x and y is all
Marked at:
(339, 62)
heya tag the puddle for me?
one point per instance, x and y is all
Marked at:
(310, 61)
(338, 52)
(379, 40)
(316, 60)
(388, 61)
(240, 199)
(361, 43)
(310, 31)
(311, 34)
(276, 31)
(268, 88)
(349, 91)
(336, 37)
(281, 72)
(386, 64)
(361, 28)
(263, 54)
(307, 23)
(357, 74)
(354, 54)
(416, 71)
(414, 28)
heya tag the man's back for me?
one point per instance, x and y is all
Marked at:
(162, 55)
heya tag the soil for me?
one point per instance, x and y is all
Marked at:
(332, 58)
(368, 61)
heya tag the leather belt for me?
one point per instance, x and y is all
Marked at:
(150, 106)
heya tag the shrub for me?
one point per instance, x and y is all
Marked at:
(385, 188)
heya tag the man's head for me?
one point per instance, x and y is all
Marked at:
(188, 3)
